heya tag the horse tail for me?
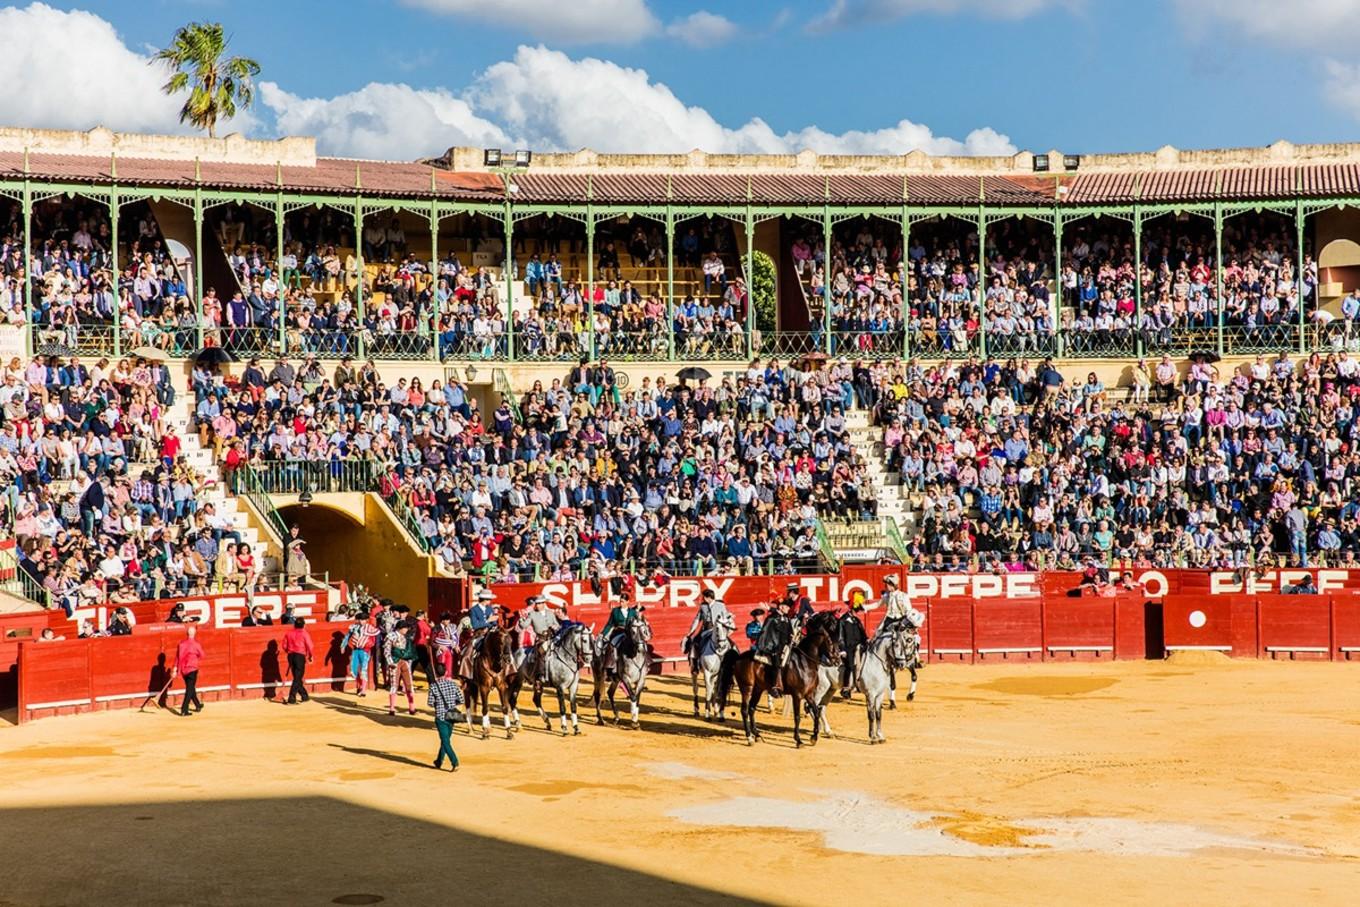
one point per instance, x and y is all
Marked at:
(725, 675)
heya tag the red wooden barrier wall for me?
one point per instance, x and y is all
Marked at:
(1319, 627)
(82, 675)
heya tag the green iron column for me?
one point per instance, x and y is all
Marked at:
(1300, 222)
(434, 282)
(982, 284)
(904, 276)
(359, 265)
(113, 266)
(509, 275)
(1140, 346)
(748, 269)
(590, 274)
(198, 264)
(281, 301)
(827, 345)
(1055, 304)
(27, 286)
(1218, 269)
(670, 282)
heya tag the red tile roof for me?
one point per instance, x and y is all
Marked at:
(378, 178)
(335, 175)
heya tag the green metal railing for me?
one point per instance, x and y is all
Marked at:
(502, 383)
(409, 521)
(825, 548)
(20, 584)
(895, 541)
(249, 486)
(314, 476)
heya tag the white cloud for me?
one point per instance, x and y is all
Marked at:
(1342, 86)
(70, 70)
(703, 29)
(850, 13)
(558, 21)
(541, 99)
(555, 102)
(394, 122)
(1300, 22)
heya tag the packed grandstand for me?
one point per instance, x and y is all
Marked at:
(587, 372)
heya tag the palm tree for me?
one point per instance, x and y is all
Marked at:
(219, 83)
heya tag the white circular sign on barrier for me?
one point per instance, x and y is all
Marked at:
(1197, 619)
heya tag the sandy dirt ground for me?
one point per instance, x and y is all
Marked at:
(1025, 783)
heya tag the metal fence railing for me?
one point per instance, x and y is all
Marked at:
(249, 486)
(825, 548)
(410, 521)
(314, 476)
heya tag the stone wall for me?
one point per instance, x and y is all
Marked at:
(1021, 163)
(296, 151)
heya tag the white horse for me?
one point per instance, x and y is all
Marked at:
(562, 663)
(878, 660)
(630, 671)
(706, 658)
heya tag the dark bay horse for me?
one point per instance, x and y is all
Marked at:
(798, 676)
(491, 667)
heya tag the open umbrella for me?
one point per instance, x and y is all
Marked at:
(54, 349)
(1204, 356)
(149, 353)
(694, 373)
(214, 355)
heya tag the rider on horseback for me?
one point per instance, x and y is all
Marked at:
(621, 616)
(772, 648)
(543, 624)
(895, 605)
(711, 616)
(482, 616)
(799, 605)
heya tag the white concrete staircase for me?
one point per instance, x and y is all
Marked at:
(894, 501)
(227, 504)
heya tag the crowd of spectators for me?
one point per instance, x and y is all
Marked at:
(1015, 467)
(1091, 306)
(579, 477)
(99, 497)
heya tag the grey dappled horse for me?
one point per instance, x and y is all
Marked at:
(878, 660)
(630, 670)
(706, 658)
(564, 660)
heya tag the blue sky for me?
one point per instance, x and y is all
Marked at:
(1077, 75)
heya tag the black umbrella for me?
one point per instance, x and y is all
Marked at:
(55, 349)
(214, 355)
(1204, 356)
(694, 373)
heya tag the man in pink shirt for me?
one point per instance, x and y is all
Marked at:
(188, 656)
(297, 645)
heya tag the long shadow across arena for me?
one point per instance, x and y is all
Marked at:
(296, 851)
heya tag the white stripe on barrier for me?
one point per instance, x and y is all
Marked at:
(1002, 651)
(59, 704)
(122, 696)
(216, 689)
(952, 651)
(1296, 648)
(1081, 648)
(1350, 648)
(1199, 648)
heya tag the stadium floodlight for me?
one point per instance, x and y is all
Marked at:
(1071, 161)
(1040, 163)
(522, 158)
(491, 157)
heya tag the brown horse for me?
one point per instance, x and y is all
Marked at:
(799, 677)
(491, 667)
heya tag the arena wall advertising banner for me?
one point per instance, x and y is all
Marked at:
(683, 592)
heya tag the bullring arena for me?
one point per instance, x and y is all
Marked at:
(1065, 445)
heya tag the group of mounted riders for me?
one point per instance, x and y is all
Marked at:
(795, 650)
(806, 654)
